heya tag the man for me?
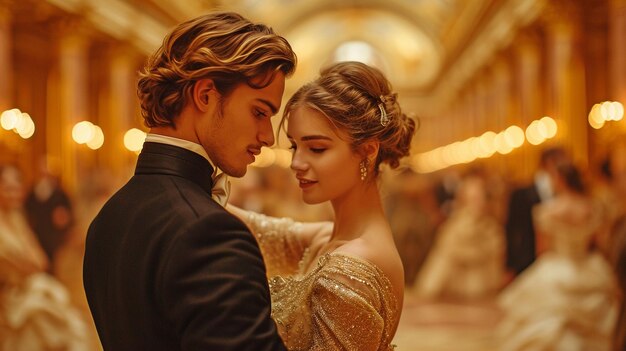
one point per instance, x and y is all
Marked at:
(49, 211)
(520, 231)
(166, 267)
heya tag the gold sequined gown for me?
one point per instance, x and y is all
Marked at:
(343, 303)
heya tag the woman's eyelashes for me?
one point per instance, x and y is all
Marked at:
(315, 150)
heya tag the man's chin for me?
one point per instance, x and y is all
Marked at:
(236, 173)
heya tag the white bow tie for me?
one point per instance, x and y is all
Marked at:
(221, 188)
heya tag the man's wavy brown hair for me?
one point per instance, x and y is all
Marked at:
(222, 46)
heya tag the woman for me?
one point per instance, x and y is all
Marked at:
(618, 261)
(338, 285)
(567, 299)
(467, 258)
(35, 311)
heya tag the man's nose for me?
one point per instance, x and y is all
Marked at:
(266, 134)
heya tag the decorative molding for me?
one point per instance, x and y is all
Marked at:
(498, 33)
(120, 20)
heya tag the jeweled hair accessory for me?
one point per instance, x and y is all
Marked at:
(384, 119)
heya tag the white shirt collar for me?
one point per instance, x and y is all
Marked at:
(543, 184)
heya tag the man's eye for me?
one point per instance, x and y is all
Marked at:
(260, 113)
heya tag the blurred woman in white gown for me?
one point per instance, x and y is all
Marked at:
(35, 311)
(567, 300)
(467, 259)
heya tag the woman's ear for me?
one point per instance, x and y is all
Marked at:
(203, 93)
(369, 150)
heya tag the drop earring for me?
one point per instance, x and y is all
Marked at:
(363, 169)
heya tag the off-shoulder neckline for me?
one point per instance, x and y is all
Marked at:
(365, 261)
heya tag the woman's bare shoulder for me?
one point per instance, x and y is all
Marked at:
(381, 254)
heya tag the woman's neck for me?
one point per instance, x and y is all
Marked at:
(355, 211)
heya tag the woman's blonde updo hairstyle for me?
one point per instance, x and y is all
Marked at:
(349, 94)
(222, 46)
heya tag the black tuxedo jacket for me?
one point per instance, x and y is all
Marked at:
(167, 268)
(520, 230)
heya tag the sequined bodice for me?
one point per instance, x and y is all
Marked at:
(343, 303)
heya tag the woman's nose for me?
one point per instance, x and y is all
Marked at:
(297, 162)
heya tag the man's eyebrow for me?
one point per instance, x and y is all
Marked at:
(270, 105)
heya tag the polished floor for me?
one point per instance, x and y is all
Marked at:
(446, 326)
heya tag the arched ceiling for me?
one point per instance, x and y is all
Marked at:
(410, 40)
(427, 48)
(376, 37)
(405, 38)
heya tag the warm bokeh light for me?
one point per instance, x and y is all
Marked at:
(533, 134)
(501, 145)
(605, 112)
(514, 136)
(474, 147)
(611, 111)
(9, 118)
(83, 132)
(98, 139)
(484, 146)
(133, 139)
(619, 110)
(25, 126)
(595, 118)
(550, 125)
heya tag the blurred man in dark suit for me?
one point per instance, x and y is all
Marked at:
(520, 231)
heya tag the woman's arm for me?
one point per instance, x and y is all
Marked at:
(282, 240)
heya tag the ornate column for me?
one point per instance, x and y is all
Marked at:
(68, 89)
(498, 99)
(122, 106)
(468, 113)
(501, 94)
(481, 106)
(6, 72)
(617, 33)
(565, 95)
(527, 79)
(6, 66)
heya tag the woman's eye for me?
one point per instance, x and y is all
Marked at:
(293, 147)
(317, 150)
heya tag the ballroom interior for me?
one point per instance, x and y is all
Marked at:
(491, 84)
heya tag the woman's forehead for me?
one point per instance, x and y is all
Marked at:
(305, 120)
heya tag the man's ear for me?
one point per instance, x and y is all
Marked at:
(369, 150)
(203, 93)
